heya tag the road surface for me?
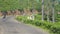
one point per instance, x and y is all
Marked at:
(11, 26)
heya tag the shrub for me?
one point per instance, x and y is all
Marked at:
(38, 23)
(38, 17)
(47, 25)
(54, 27)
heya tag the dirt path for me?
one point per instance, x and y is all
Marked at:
(11, 26)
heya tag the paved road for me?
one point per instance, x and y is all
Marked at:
(11, 26)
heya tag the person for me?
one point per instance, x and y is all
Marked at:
(4, 14)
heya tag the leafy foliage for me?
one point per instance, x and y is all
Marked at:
(53, 27)
(18, 4)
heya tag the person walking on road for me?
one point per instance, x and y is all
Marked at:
(4, 14)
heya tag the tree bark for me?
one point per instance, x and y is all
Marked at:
(48, 10)
(53, 12)
(53, 17)
(42, 10)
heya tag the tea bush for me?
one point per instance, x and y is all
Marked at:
(54, 27)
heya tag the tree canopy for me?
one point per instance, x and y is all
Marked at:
(20, 4)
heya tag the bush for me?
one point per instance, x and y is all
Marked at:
(48, 25)
(38, 17)
(19, 18)
(38, 23)
(54, 27)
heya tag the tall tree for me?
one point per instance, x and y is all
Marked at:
(42, 10)
(53, 11)
(47, 10)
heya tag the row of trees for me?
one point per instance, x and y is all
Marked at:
(48, 6)
(51, 4)
(19, 4)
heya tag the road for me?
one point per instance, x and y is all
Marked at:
(12, 26)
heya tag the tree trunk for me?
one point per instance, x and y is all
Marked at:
(53, 12)
(42, 10)
(48, 16)
(53, 17)
(48, 10)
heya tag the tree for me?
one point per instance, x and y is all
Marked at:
(47, 10)
(53, 11)
(42, 10)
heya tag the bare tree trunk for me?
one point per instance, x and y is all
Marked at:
(48, 10)
(53, 12)
(53, 17)
(42, 10)
(48, 16)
